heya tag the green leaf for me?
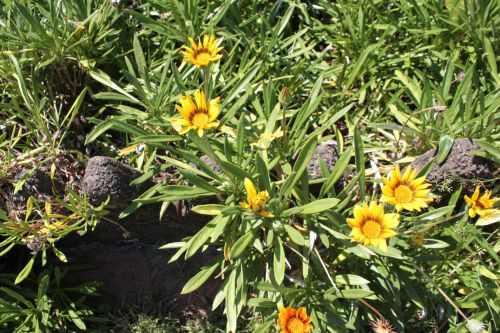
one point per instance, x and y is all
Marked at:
(23, 274)
(241, 244)
(210, 209)
(337, 171)
(314, 207)
(76, 320)
(445, 145)
(360, 63)
(278, 271)
(294, 235)
(359, 154)
(61, 256)
(196, 281)
(199, 182)
(231, 312)
(489, 219)
(106, 80)
(354, 293)
(434, 214)
(261, 302)
(434, 244)
(242, 83)
(300, 165)
(350, 279)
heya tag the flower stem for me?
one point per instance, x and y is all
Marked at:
(206, 82)
(452, 303)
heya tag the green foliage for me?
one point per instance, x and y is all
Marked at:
(384, 80)
(51, 307)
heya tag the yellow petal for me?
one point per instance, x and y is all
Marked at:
(390, 221)
(406, 175)
(354, 223)
(412, 174)
(250, 187)
(213, 109)
(386, 233)
(193, 44)
(188, 105)
(382, 245)
(475, 196)
(201, 101)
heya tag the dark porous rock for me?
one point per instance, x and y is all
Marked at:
(326, 152)
(38, 184)
(461, 165)
(106, 177)
(211, 164)
(133, 272)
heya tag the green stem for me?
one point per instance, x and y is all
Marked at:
(283, 126)
(448, 298)
(206, 82)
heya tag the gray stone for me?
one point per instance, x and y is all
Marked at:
(133, 272)
(38, 184)
(461, 164)
(106, 177)
(327, 152)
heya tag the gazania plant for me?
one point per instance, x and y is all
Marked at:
(314, 141)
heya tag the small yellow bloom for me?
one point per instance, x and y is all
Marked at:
(405, 192)
(256, 201)
(371, 226)
(199, 116)
(294, 321)
(482, 206)
(202, 54)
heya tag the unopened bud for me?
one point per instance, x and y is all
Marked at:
(284, 96)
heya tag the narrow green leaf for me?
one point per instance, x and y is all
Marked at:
(196, 281)
(359, 153)
(337, 171)
(294, 235)
(241, 244)
(445, 145)
(354, 293)
(278, 270)
(210, 209)
(23, 274)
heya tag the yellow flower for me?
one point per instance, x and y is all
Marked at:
(256, 201)
(294, 321)
(405, 192)
(481, 206)
(371, 226)
(197, 116)
(202, 54)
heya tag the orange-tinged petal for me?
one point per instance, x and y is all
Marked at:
(475, 195)
(185, 113)
(201, 101)
(301, 313)
(188, 105)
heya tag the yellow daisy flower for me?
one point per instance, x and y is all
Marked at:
(405, 192)
(371, 226)
(199, 116)
(256, 201)
(481, 206)
(202, 54)
(294, 321)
